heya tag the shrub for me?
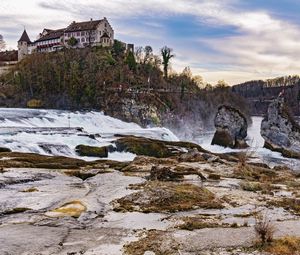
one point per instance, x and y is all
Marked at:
(264, 229)
(34, 103)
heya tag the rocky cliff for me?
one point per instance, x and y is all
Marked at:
(280, 131)
(231, 128)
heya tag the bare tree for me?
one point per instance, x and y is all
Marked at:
(2, 43)
(166, 53)
(148, 54)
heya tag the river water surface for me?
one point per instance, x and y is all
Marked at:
(54, 132)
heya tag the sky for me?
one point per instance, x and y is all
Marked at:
(231, 40)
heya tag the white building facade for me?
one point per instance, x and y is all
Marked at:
(76, 35)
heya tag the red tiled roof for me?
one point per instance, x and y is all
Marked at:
(52, 34)
(82, 26)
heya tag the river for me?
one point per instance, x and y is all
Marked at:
(55, 132)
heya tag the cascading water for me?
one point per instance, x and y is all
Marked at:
(256, 143)
(53, 132)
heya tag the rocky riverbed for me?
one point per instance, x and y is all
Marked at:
(193, 202)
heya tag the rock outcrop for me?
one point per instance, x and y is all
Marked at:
(154, 148)
(280, 131)
(91, 151)
(231, 128)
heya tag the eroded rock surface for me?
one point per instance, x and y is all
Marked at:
(154, 148)
(280, 131)
(190, 203)
(231, 128)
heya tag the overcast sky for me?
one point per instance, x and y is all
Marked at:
(235, 40)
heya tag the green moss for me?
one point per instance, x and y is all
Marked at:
(91, 151)
(152, 147)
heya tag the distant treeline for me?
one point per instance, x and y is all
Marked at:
(259, 93)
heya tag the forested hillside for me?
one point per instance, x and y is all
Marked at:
(127, 85)
(259, 93)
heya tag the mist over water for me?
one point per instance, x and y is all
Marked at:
(256, 142)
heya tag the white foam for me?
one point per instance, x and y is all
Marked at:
(30, 130)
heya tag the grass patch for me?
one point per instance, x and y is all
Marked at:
(157, 196)
(290, 204)
(33, 189)
(191, 223)
(284, 246)
(156, 241)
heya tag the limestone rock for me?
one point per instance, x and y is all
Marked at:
(231, 128)
(280, 131)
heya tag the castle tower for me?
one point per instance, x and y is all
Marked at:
(23, 44)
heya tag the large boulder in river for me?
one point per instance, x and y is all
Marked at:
(280, 131)
(231, 128)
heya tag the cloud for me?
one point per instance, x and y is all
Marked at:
(259, 44)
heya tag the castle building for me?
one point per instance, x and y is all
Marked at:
(23, 45)
(76, 35)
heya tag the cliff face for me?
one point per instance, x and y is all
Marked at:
(260, 93)
(280, 131)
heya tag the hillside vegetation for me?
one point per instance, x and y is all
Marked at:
(259, 93)
(124, 85)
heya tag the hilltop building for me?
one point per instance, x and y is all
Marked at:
(76, 35)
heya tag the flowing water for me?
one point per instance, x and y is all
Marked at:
(256, 142)
(55, 132)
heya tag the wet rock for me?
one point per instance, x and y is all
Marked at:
(192, 156)
(164, 174)
(31, 160)
(231, 128)
(154, 148)
(4, 149)
(91, 151)
(280, 131)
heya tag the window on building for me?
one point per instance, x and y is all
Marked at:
(78, 34)
(82, 33)
(82, 39)
(99, 32)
